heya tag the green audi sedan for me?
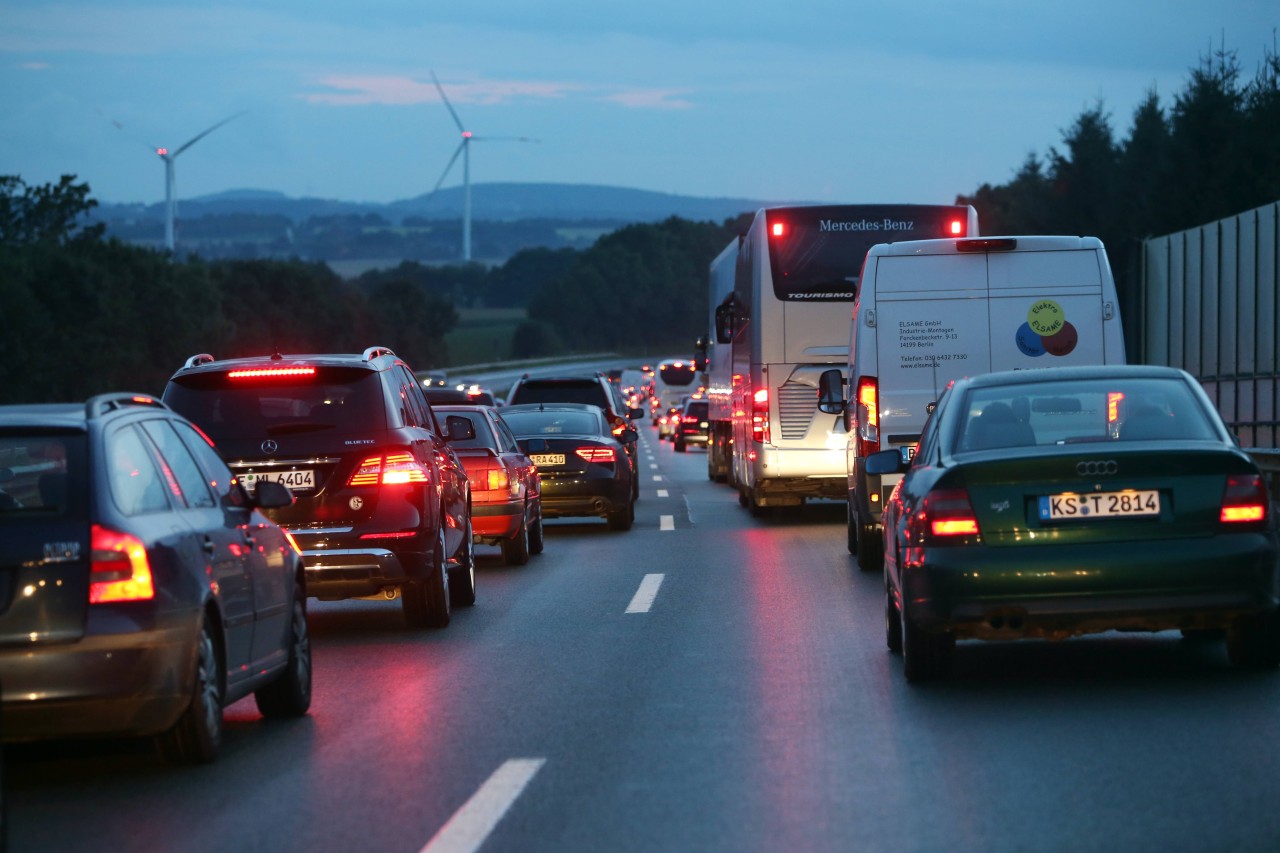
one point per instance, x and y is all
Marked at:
(1065, 501)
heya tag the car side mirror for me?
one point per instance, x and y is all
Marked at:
(269, 495)
(459, 428)
(629, 435)
(885, 462)
(635, 413)
(831, 392)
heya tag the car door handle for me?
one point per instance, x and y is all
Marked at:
(250, 540)
(208, 545)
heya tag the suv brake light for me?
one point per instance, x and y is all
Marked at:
(270, 372)
(118, 568)
(389, 469)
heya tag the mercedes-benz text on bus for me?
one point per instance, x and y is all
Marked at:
(787, 320)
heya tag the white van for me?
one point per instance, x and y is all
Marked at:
(930, 311)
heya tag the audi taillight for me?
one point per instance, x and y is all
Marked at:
(760, 416)
(1244, 500)
(868, 415)
(389, 469)
(118, 568)
(597, 454)
(945, 517)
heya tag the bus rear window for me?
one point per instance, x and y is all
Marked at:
(816, 253)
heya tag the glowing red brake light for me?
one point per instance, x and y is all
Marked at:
(1244, 500)
(868, 415)
(388, 470)
(777, 229)
(118, 568)
(945, 516)
(597, 454)
(271, 372)
(956, 228)
(760, 416)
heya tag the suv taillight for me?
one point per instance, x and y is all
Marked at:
(118, 568)
(389, 469)
(1244, 500)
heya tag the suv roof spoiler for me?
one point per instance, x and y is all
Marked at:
(99, 405)
(375, 352)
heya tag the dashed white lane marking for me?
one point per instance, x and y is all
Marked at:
(666, 522)
(657, 478)
(648, 591)
(470, 825)
(663, 493)
(653, 464)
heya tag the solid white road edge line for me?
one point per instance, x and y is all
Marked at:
(470, 825)
(648, 591)
(666, 522)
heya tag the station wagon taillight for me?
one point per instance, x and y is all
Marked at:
(597, 454)
(388, 470)
(118, 568)
(1244, 500)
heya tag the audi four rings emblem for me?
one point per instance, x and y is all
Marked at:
(1097, 468)
(270, 446)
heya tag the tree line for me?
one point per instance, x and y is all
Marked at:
(84, 313)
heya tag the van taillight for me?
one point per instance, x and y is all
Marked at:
(760, 416)
(999, 244)
(388, 470)
(868, 414)
(1244, 500)
(118, 568)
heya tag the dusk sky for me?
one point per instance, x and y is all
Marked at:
(817, 100)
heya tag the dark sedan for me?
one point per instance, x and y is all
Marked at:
(143, 589)
(583, 467)
(1052, 503)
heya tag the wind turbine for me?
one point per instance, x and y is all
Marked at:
(171, 203)
(464, 149)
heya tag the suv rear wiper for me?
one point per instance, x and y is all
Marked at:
(297, 426)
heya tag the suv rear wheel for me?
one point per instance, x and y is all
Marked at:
(426, 601)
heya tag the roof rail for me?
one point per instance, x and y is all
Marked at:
(374, 352)
(99, 405)
(197, 360)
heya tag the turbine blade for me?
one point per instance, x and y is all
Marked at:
(205, 133)
(504, 139)
(445, 98)
(445, 173)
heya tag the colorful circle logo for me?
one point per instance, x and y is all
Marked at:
(1046, 330)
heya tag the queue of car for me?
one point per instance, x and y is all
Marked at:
(159, 552)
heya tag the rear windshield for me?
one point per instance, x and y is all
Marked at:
(42, 475)
(525, 424)
(818, 252)
(678, 374)
(1074, 412)
(336, 399)
(697, 410)
(590, 392)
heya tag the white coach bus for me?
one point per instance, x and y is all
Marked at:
(787, 320)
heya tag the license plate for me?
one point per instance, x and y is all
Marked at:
(548, 459)
(1076, 507)
(298, 481)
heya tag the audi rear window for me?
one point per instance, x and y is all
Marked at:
(334, 400)
(590, 392)
(526, 424)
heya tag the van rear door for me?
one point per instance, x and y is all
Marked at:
(931, 326)
(1046, 308)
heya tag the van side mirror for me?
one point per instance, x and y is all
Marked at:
(700, 348)
(725, 314)
(831, 392)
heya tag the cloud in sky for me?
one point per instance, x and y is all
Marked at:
(824, 100)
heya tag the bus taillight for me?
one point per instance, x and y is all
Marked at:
(760, 416)
(956, 228)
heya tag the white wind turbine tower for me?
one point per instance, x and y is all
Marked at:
(170, 202)
(464, 148)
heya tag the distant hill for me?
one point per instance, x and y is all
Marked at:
(494, 202)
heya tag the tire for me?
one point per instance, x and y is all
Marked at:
(462, 577)
(851, 528)
(536, 536)
(290, 694)
(742, 497)
(622, 519)
(1253, 642)
(926, 656)
(197, 736)
(892, 623)
(426, 602)
(515, 552)
(869, 548)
